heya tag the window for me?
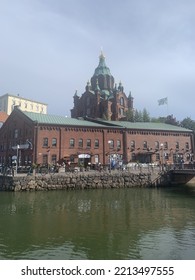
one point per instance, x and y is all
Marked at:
(118, 144)
(96, 158)
(157, 156)
(133, 157)
(111, 144)
(72, 143)
(72, 157)
(45, 159)
(132, 144)
(166, 156)
(187, 146)
(96, 143)
(14, 103)
(54, 142)
(45, 142)
(53, 159)
(188, 157)
(177, 145)
(122, 101)
(88, 143)
(156, 145)
(165, 145)
(80, 143)
(145, 145)
(16, 133)
(121, 111)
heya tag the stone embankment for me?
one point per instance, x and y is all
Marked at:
(75, 181)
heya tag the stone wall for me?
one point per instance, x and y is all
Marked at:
(74, 181)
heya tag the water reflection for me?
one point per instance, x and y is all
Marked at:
(98, 224)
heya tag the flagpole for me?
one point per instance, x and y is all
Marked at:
(164, 101)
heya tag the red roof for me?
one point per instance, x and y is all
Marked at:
(3, 117)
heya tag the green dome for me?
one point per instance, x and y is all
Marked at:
(102, 69)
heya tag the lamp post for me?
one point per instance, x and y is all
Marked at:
(17, 148)
(162, 148)
(109, 142)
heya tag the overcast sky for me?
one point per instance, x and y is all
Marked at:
(50, 48)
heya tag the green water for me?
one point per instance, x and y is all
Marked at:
(98, 224)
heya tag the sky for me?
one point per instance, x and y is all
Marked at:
(50, 48)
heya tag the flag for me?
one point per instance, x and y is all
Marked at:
(163, 101)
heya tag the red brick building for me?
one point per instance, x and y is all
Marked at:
(46, 139)
(102, 97)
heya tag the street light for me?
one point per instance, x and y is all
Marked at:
(17, 148)
(109, 142)
(162, 148)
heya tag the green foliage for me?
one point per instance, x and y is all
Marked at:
(169, 120)
(138, 116)
(130, 115)
(155, 120)
(188, 123)
(145, 115)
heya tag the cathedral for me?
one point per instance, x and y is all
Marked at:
(102, 97)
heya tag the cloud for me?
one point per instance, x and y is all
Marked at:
(50, 48)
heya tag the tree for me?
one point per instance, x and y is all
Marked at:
(156, 120)
(138, 117)
(188, 123)
(130, 115)
(171, 120)
(145, 115)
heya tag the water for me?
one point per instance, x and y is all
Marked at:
(98, 224)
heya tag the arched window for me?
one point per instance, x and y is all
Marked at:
(96, 143)
(88, 143)
(118, 144)
(54, 142)
(166, 145)
(157, 145)
(45, 142)
(53, 159)
(80, 143)
(145, 145)
(72, 142)
(122, 101)
(132, 144)
(111, 144)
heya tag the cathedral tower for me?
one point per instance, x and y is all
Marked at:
(102, 97)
